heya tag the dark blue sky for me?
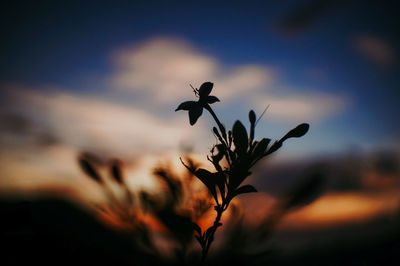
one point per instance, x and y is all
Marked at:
(54, 42)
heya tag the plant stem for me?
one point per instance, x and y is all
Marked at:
(219, 210)
(220, 126)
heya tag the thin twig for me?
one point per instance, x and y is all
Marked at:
(266, 108)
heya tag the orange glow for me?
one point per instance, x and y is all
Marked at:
(335, 209)
(114, 221)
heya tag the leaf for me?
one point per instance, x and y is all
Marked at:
(186, 106)
(240, 137)
(221, 148)
(220, 180)
(199, 239)
(89, 170)
(197, 228)
(255, 143)
(245, 189)
(212, 99)
(211, 180)
(220, 153)
(275, 147)
(205, 89)
(260, 148)
(237, 177)
(194, 113)
(116, 171)
(209, 232)
(207, 178)
(297, 132)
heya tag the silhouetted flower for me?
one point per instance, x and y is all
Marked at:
(196, 108)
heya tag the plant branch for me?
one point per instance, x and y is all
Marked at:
(220, 126)
(213, 229)
(223, 132)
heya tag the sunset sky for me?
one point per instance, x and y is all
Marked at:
(106, 78)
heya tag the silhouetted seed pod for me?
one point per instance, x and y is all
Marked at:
(252, 117)
(89, 170)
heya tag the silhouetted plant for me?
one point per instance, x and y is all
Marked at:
(240, 151)
(176, 207)
(180, 207)
(121, 207)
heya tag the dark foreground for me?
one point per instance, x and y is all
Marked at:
(57, 232)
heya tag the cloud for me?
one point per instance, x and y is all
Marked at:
(83, 122)
(89, 123)
(243, 81)
(160, 70)
(135, 119)
(311, 107)
(151, 75)
(375, 50)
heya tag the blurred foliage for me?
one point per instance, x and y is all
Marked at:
(180, 208)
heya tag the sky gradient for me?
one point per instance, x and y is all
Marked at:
(342, 57)
(106, 78)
